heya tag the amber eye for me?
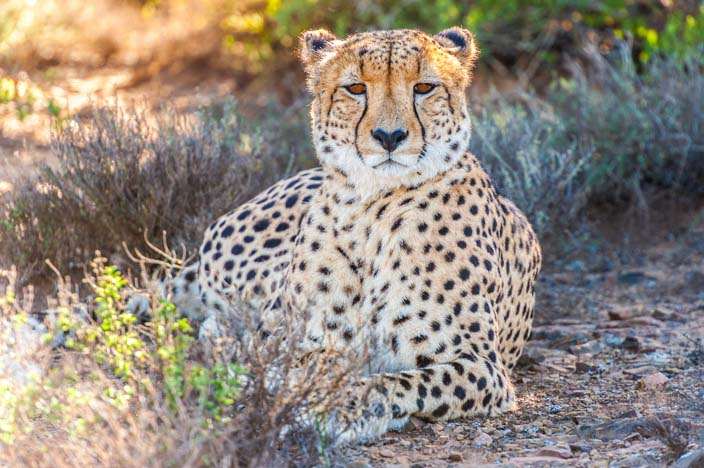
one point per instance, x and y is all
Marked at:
(357, 88)
(423, 88)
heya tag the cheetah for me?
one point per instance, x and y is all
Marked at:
(398, 243)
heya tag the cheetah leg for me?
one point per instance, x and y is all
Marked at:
(468, 386)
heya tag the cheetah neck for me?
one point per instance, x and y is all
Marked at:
(350, 194)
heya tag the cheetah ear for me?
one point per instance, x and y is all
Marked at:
(313, 45)
(460, 43)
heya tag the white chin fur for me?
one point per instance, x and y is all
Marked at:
(369, 181)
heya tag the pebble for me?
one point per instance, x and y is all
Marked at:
(612, 340)
(583, 367)
(580, 447)
(653, 381)
(633, 277)
(590, 347)
(631, 343)
(558, 451)
(482, 439)
(554, 409)
(455, 457)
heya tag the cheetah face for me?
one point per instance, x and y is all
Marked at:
(389, 107)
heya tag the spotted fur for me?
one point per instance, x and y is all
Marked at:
(408, 254)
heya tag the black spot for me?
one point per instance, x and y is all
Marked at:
(227, 232)
(237, 249)
(468, 405)
(243, 215)
(396, 224)
(446, 380)
(436, 392)
(423, 361)
(261, 225)
(271, 243)
(290, 201)
(460, 393)
(464, 274)
(481, 383)
(229, 265)
(441, 410)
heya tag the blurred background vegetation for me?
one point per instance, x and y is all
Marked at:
(249, 42)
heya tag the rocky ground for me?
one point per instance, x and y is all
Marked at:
(613, 375)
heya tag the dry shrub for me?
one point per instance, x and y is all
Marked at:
(607, 134)
(126, 174)
(78, 400)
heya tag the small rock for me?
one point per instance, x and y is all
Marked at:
(482, 440)
(359, 464)
(631, 343)
(576, 266)
(631, 278)
(658, 358)
(583, 367)
(640, 371)
(557, 451)
(590, 347)
(533, 461)
(455, 457)
(621, 313)
(532, 356)
(612, 340)
(580, 447)
(619, 428)
(386, 453)
(554, 409)
(653, 381)
(664, 314)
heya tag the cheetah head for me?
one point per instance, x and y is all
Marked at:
(389, 107)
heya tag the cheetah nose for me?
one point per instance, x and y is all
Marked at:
(389, 141)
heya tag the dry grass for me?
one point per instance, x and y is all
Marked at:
(73, 403)
(126, 175)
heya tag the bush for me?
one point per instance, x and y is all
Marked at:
(97, 384)
(126, 176)
(601, 136)
(507, 31)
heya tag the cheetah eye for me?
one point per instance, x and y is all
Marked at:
(357, 88)
(423, 88)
